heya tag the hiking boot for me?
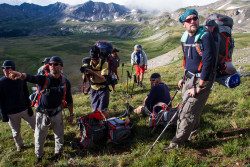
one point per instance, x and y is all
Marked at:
(171, 146)
(137, 84)
(140, 84)
(19, 149)
(39, 159)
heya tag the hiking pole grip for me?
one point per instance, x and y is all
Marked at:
(129, 76)
(122, 74)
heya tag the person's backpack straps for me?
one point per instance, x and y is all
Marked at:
(64, 91)
(197, 43)
(43, 89)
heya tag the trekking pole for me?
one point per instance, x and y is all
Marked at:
(163, 114)
(173, 117)
(135, 81)
(132, 71)
(122, 73)
(128, 76)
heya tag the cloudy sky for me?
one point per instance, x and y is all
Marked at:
(166, 5)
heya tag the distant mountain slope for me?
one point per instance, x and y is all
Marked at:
(239, 10)
(112, 19)
(22, 20)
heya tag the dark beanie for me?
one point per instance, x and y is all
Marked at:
(155, 75)
(9, 63)
(56, 59)
(94, 52)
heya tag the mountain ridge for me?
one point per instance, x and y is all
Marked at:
(62, 19)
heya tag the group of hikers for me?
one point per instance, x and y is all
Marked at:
(56, 94)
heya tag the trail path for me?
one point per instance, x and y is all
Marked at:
(164, 59)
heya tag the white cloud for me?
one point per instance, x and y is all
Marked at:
(166, 5)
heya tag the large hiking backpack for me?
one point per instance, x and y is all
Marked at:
(105, 48)
(220, 26)
(118, 130)
(95, 131)
(162, 114)
(92, 130)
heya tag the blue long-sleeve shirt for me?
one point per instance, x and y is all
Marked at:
(14, 96)
(55, 96)
(193, 58)
(159, 93)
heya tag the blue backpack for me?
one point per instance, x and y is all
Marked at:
(105, 48)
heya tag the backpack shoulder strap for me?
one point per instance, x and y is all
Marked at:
(43, 89)
(63, 81)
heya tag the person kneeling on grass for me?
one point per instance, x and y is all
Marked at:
(159, 94)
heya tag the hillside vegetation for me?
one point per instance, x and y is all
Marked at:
(223, 140)
(224, 131)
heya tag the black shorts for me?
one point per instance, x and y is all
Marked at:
(100, 99)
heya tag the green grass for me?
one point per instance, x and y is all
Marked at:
(224, 129)
(226, 109)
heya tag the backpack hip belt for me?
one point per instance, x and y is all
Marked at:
(190, 74)
(50, 112)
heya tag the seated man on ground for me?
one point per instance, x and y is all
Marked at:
(159, 94)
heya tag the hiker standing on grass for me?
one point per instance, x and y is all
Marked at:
(159, 94)
(114, 63)
(98, 77)
(139, 60)
(15, 103)
(198, 80)
(49, 107)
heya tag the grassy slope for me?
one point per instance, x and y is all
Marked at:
(223, 139)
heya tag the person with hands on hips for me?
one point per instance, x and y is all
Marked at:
(198, 76)
(57, 91)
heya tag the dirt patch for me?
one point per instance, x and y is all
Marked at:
(165, 58)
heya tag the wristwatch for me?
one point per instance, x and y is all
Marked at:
(200, 86)
(72, 114)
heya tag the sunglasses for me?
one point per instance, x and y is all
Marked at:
(54, 64)
(7, 67)
(94, 59)
(190, 19)
(152, 80)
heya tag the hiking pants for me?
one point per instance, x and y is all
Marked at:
(15, 125)
(189, 119)
(41, 132)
